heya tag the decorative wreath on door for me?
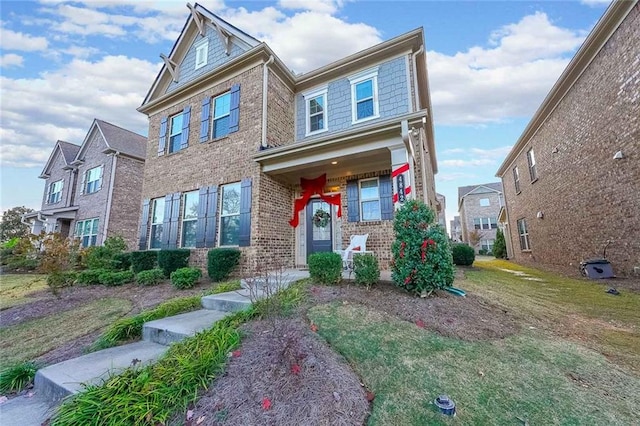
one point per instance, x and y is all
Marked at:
(321, 218)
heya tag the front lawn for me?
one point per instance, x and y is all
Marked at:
(16, 288)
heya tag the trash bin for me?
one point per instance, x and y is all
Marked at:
(597, 269)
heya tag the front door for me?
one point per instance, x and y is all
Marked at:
(318, 236)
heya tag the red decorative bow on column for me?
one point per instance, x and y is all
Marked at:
(311, 187)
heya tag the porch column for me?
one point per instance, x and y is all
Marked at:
(401, 176)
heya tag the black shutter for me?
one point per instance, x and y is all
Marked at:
(166, 223)
(211, 218)
(386, 197)
(162, 141)
(244, 239)
(144, 225)
(204, 119)
(186, 118)
(175, 215)
(353, 201)
(234, 109)
(202, 217)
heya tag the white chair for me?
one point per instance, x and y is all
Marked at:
(358, 244)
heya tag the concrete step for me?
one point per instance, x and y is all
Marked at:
(59, 380)
(276, 280)
(26, 410)
(231, 301)
(173, 329)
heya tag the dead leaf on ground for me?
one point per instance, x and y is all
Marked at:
(200, 419)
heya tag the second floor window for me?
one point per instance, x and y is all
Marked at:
(370, 199)
(175, 133)
(157, 219)
(485, 223)
(531, 159)
(516, 179)
(316, 111)
(189, 218)
(484, 202)
(55, 192)
(221, 115)
(364, 95)
(93, 180)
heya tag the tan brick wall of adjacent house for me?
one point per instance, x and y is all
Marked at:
(126, 199)
(586, 196)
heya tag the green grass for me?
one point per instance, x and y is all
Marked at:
(30, 339)
(611, 324)
(530, 376)
(17, 376)
(15, 288)
(226, 286)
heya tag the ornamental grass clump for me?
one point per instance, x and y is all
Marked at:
(17, 377)
(422, 259)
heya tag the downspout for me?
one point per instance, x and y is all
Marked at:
(112, 179)
(415, 76)
(265, 79)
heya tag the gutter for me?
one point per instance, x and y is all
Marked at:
(110, 196)
(265, 81)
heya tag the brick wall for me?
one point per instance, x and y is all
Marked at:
(126, 199)
(280, 112)
(471, 209)
(55, 174)
(586, 196)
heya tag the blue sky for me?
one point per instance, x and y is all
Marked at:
(490, 65)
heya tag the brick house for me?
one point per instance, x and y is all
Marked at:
(93, 190)
(479, 207)
(572, 180)
(244, 153)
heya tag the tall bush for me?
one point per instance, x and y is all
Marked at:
(366, 269)
(500, 246)
(172, 260)
(325, 268)
(143, 260)
(463, 255)
(107, 256)
(220, 263)
(422, 259)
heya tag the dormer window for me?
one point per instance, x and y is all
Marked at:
(316, 111)
(202, 53)
(364, 95)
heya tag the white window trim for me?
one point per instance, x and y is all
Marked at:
(531, 162)
(202, 46)
(50, 192)
(171, 135)
(516, 179)
(524, 235)
(361, 200)
(80, 235)
(369, 74)
(488, 202)
(153, 210)
(308, 96)
(183, 220)
(213, 115)
(222, 215)
(87, 181)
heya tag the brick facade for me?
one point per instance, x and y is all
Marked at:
(471, 209)
(587, 199)
(125, 202)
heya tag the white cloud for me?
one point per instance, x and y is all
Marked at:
(509, 79)
(12, 40)
(322, 6)
(11, 60)
(62, 104)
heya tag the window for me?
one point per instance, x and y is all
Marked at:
(189, 218)
(55, 192)
(516, 179)
(202, 51)
(364, 95)
(221, 114)
(531, 159)
(316, 111)
(484, 202)
(487, 245)
(175, 133)
(157, 220)
(230, 215)
(370, 199)
(93, 180)
(485, 223)
(87, 231)
(524, 235)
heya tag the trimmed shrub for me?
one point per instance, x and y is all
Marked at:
(90, 276)
(422, 259)
(113, 279)
(221, 261)
(185, 277)
(16, 377)
(482, 252)
(57, 280)
(172, 260)
(366, 269)
(150, 277)
(122, 262)
(143, 260)
(104, 257)
(500, 246)
(325, 268)
(463, 255)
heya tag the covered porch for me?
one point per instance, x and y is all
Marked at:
(58, 220)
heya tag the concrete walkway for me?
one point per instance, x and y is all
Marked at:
(55, 382)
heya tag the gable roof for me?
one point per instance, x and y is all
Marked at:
(463, 191)
(116, 139)
(68, 151)
(595, 41)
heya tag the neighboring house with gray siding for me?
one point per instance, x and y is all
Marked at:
(244, 153)
(92, 190)
(479, 207)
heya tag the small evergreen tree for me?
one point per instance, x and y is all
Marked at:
(500, 246)
(422, 259)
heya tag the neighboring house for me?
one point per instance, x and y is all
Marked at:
(440, 210)
(93, 191)
(572, 180)
(238, 143)
(479, 207)
(456, 229)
